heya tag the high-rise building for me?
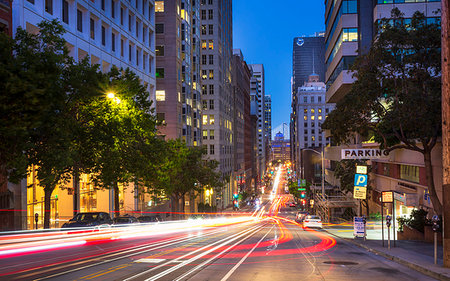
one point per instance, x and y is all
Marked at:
(111, 33)
(312, 111)
(268, 118)
(241, 105)
(257, 87)
(349, 33)
(307, 58)
(178, 70)
(216, 65)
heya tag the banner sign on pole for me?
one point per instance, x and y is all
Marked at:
(358, 227)
(364, 153)
(360, 192)
(361, 170)
(387, 197)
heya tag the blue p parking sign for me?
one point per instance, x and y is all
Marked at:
(360, 180)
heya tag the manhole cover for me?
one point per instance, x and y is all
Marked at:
(341, 262)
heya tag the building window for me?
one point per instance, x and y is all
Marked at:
(137, 57)
(205, 134)
(313, 138)
(113, 9)
(211, 44)
(160, 95)
(121, 47)
(305, 117)
(203, 59)
(204, 91)
(203, 14)
(210, 14)
(319, 117)
(159, 50)
(313, 117)
(121, 16)
(211, 59)
(305, 111)
(159, 72)
(312, 99)
(92, 28)
(204, 44)
(137, 29)
(312, 111)
(159, 6)
(211, 119)
(103, 36)
(211, 74)
(102, 4)
(211, 134)
(211, 104)
(204, 29)
(79, 20)
(210, 2)
(204, 76)
(320, 99)
(159, 28)
(49, 6)
(113, 42)
(211, 29)
(65, 11)
(386, 170)
(211, 149)
(161, 117)
(129, 22)
(211, 89)
(305, 99)
(205, 119)
(305, 124)
(129, 52)
(409, 173)
(204, 104)
(326, 110)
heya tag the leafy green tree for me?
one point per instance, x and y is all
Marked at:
(395, 99)
(125, 124)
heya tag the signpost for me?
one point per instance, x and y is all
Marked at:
(360, 192)
(390, 197)
(359, 227)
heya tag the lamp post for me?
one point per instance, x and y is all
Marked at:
(323, 168)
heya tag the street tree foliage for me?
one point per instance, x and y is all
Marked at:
(395, 99)
(183, 172)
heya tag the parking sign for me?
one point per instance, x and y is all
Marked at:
(360, 180)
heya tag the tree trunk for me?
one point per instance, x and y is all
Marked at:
(76, 190)
(430, 182)
(47, 209)
(175, 204)
(116, 200)
(183, 200)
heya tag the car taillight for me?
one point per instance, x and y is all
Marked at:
(306, 221)
(319, 221)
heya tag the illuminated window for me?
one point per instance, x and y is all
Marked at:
(204, 76)
(160, 73)
(313, 117)
(159, 50)
(211, 44)
(320, 117)
(204, 44)
(205, 134)
(204, 104)
(211, 134)
(211, 74)
(204, 90)
(204, 29)
(305, 111)
(159, 6)
(205, 120)
(161, 95)
(305, 117)
(313, 138)
(312, 111)
(211, 119)
(320, 110)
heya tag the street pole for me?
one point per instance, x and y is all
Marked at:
(323, 172)
(445, 41)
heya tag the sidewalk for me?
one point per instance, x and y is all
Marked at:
(416, 255)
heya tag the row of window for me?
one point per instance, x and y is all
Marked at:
(405, 1)
(347, 35)
(208, 88)
(205, 134)
(347, 7)
(313, 117)
(313, 138)
(205, 104)
(210, 14)
(208, 121)
(210, 29)
(312, 132)
(312, 99)
(203, 2)
(319, 110)
(313, 124)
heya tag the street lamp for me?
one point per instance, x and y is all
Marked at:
(323, 168)
(113, 97)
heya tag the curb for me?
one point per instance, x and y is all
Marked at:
(406, 263)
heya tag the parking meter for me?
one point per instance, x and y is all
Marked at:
(36, 219)
(435, 221)
(388, 221)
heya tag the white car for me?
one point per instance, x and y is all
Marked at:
(312, 221)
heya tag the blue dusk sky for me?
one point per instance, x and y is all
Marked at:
(264, 31)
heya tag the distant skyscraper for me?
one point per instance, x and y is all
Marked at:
(307, 57)
(268, 116)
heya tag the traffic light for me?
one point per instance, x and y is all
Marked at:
(235, 195)
(303, 202)
(303, 195)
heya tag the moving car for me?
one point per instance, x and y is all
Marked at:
(300, 216)
(144, 219)
(89, 219)
(312, 221)
(125, 220)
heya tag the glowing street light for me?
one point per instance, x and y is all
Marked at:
(113, 97)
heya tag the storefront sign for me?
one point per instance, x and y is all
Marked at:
(364, 154)
(387, 197)
(400, 197)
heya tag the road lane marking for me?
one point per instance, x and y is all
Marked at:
(150, 260)
(244, 257)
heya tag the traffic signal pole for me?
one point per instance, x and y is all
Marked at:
(445, 41)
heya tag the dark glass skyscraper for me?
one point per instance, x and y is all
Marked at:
(308, 57)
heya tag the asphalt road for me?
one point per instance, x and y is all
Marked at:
(269, 247)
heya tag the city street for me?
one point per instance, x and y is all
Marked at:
(267, 245)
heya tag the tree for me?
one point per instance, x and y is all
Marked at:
(184, 172)
(395, 99)
(126, 131)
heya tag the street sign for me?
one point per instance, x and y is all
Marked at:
(360, 180)
(358, 227)
(302, 189)
(361, 170)
(360, 192)
(400, 197)
(364, 153)
(387, 197)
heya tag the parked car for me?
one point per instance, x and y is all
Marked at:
(144, 219)
(312, 221)
(89, 219)
(300, 216)
(125, 220)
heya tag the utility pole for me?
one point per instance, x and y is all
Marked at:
(445, 41)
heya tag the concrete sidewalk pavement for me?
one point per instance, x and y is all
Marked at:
(416, 255)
